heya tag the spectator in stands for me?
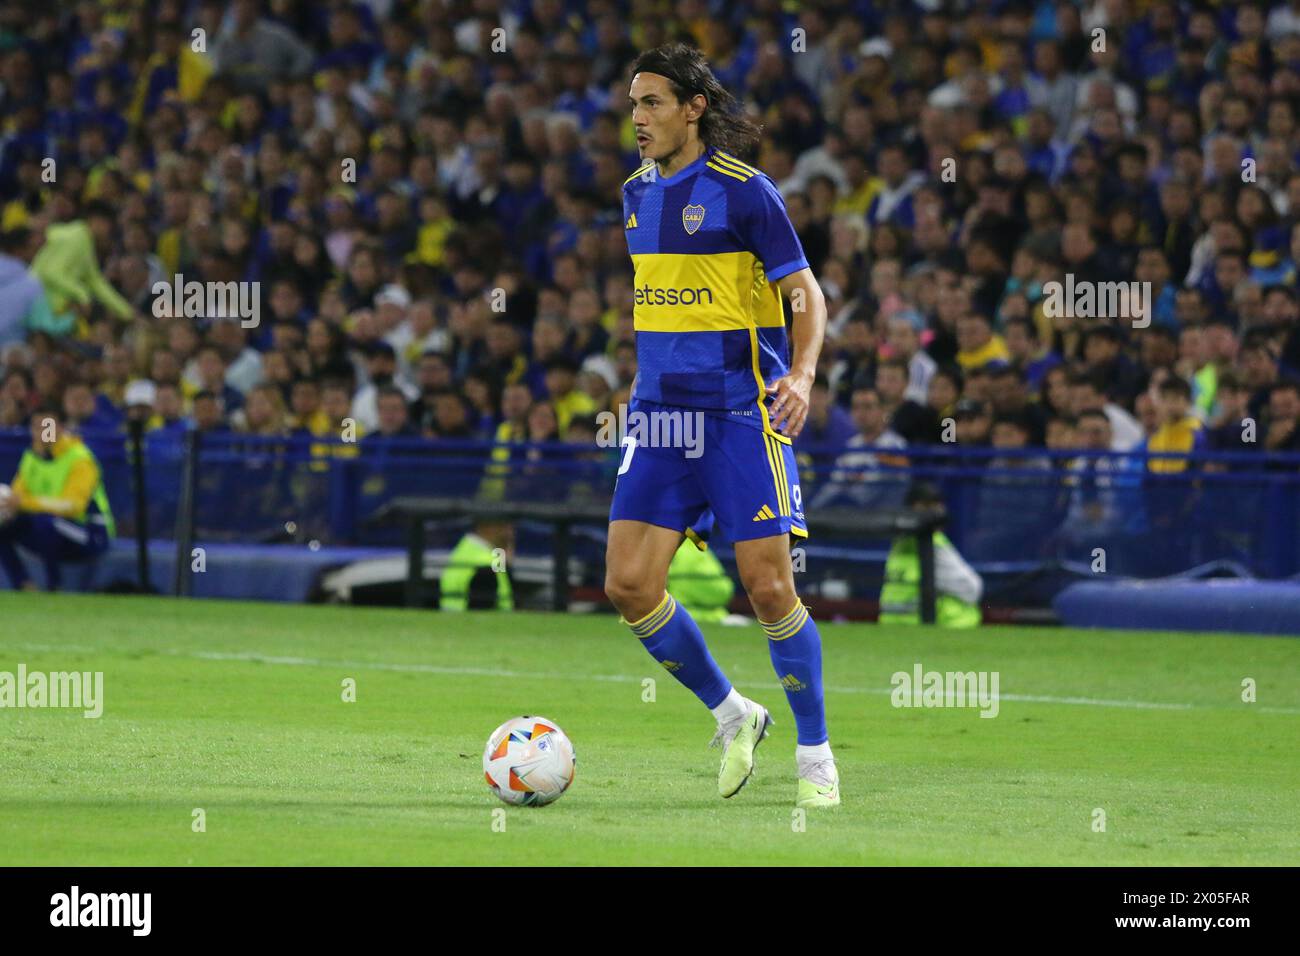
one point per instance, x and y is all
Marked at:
(1060, 435)
(306, 416)
(1016, 498)
(565, 399)
(1179, 430)
(207, 414)
(83, 410)
(905, 346)
(169, 415)
(1158, 352)
(974, 426)
(393, 417)
(977, 344)
(893, 203)
(1118, 376)
(243, 363)
(1027, 354)
(1259, 370)
(1231, 428)
(1009, 397)
(23, 303)
(945, 390)
(979, 384)
(858, 479)
(828, 427)
(210, 369)
(1283, 428)
(914, 422)
(1104, 494)
(59, 510)
(264, 413)
(451, 417)
(857, 358)
(381, 371)
(68, 267)
(1088, 393)
(139, 399)
(1147, 412)
(341, 430)
(253, 51)
(1055, 393)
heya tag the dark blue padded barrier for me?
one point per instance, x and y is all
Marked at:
(1233, 605)
(1025, 520)
(247, 572)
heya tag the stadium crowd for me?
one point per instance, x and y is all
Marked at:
(429, 197)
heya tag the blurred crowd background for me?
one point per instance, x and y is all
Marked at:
(942, 163)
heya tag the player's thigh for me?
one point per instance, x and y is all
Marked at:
(637, 557)
(656, 497)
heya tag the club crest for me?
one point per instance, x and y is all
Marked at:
(692, 219)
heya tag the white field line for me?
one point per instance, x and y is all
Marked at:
(291, 661)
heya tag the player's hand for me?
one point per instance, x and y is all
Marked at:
(790, 408)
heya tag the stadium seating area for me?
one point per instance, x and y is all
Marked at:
(465, 297)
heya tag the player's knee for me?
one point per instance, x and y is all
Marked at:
(770, 596)
(631, 595)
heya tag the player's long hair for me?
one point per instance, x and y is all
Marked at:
(722, 125)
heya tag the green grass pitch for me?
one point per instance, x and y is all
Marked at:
(237, 709)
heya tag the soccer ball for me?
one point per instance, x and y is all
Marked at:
(8, 503)
(528, 761)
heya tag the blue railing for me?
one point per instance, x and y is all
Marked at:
(1009, 512)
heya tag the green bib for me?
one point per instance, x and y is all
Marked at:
(900, 597)
(47, 477)
(469, 557)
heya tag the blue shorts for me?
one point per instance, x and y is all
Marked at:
(728, 464)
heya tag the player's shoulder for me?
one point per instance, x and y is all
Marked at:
(639, 177)
(729, 167)
(740, 179)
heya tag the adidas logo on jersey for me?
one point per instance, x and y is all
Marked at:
(631, 222)
(764, 513)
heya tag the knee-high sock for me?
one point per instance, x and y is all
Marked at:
(673, 638)
(796, 650)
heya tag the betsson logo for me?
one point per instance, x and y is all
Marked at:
(649, 295)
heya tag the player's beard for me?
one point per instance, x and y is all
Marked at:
(667, 160)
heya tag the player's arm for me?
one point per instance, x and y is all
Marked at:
(808, 307)
(83, 477)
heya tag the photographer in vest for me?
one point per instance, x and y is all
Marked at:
(56, 507)
(958, 587)
(477, 575)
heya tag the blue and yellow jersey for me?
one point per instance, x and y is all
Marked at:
(708, 245)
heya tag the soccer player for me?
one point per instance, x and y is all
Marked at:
(713, 252)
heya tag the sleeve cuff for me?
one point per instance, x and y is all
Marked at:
(781, 271)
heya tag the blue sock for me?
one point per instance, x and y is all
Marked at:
(796, 650)
(673, 639)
